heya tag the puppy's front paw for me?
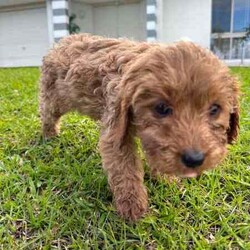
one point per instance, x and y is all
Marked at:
(132, 204)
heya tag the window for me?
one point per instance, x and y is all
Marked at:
(221, 47)
(221, 16)
(241, 15)
(230, 21)
(236, 48)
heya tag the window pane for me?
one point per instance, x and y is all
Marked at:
(240, 49)
(221, 47)
(221, 16)
(241, 15)
(247, 51)
(237, 48)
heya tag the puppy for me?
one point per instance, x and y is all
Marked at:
(180, 100)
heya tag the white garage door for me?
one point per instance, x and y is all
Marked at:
(128, 20)
(23, 37)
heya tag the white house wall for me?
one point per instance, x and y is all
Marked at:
(132, 21)
(111, 20)
(186, 19)
(128, 20)
(24, 37)
(84, 16)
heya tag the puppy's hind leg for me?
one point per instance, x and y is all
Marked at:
(51, 108)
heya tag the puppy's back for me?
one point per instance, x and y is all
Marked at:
(70, 48)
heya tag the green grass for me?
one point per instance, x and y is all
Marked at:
(54, 195)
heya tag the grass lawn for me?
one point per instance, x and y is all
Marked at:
(54, 195)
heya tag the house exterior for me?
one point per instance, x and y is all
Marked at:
(28, 28)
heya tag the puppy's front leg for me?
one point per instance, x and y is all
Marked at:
(125, 176)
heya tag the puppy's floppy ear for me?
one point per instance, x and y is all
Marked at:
(233, 130)
(122, 122)
(117, 121)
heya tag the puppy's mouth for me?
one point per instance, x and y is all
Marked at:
(190, 175)
(193, 163)
(185, 172)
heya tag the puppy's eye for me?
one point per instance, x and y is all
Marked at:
(163, 110)
(214, 110)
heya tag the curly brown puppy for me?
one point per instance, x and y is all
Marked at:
(180, 100)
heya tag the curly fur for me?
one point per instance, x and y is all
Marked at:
(119, 82)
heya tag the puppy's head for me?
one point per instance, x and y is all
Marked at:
(184, 106)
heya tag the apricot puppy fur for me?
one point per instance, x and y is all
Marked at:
(179, 100)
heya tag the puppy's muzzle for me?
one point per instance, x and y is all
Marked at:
(192, 158)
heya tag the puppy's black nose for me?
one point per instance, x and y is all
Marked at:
(192, 158)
